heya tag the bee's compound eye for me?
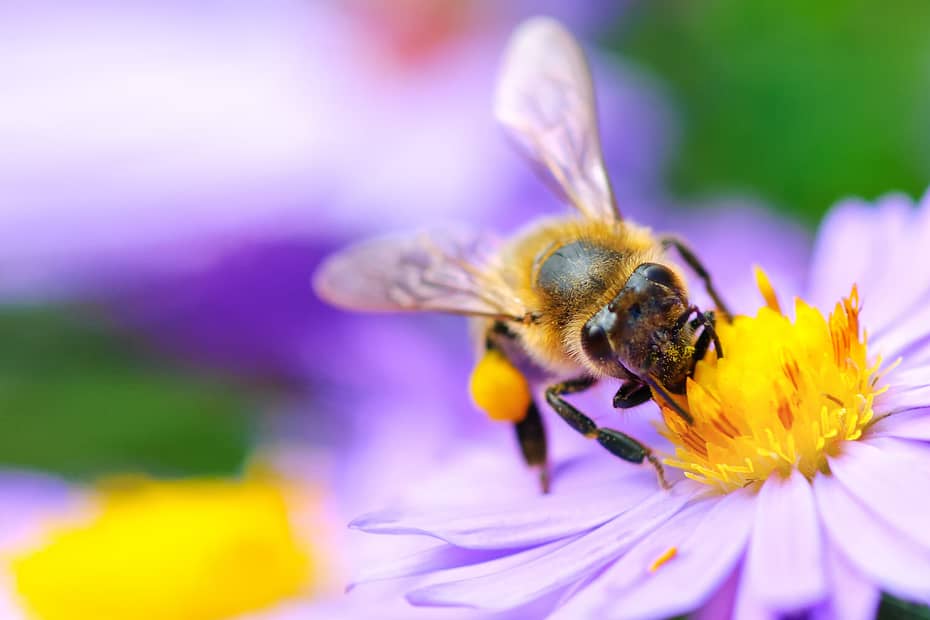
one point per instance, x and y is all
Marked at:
(595, 343)
(660, 274)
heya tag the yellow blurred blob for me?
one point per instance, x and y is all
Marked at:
(499, 389)
(784, 396)
(182, 550)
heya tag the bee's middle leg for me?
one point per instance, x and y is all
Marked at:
(616, 442)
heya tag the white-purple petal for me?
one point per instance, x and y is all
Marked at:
(913, 424)
(575, 561)
(919, 359)
(594, 598)
(723, 602)
(899, 230)
(841, 255)
(383, 603)
(907, 337)
(481, 570)
(853, 596)
(886, 484)
(439, 557)
(784, 566)
(908, 452)
(904, 375)
(535, 520)
(873, 547)
(903, 398)
(704, 560)
(908, 389)
(851, 236)
(748, 606)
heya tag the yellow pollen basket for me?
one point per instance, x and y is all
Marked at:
(499, 389)
(784, 396)
(184, 550)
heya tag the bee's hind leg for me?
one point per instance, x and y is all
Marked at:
(502, 391)
(616, 442)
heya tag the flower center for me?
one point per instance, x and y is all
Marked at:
(190, 550)
(784, 396)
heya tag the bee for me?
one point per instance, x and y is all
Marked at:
(580, 298)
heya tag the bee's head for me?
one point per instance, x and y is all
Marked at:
(641, 330)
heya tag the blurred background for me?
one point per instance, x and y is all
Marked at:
(172, 172)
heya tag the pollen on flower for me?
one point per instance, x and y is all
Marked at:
(785, 395)
(190, 550)
(667, 555)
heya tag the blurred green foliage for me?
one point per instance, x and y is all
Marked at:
(80, 399)
(895, 609)
(799, 102)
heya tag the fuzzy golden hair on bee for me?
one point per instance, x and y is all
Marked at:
(570, 268)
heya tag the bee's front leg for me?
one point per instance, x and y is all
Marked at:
(616, 442)
(702, 344)
(631, 394)
(709, 321)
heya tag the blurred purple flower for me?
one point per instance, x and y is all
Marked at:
(27, 497)
(197, 181)
(608, 544)
(29, 501)
(159, 133)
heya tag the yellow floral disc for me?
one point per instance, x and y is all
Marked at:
(784, 396)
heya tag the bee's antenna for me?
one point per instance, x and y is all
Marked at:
(671, 402)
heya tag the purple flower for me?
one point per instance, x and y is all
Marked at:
(27, 498)
(159, 134)
(796, 489)
(203, 241)
(28, 503)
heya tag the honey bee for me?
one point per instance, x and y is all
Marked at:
(579, 298)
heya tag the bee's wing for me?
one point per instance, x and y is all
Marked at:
(545, 97)
(438, 272)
